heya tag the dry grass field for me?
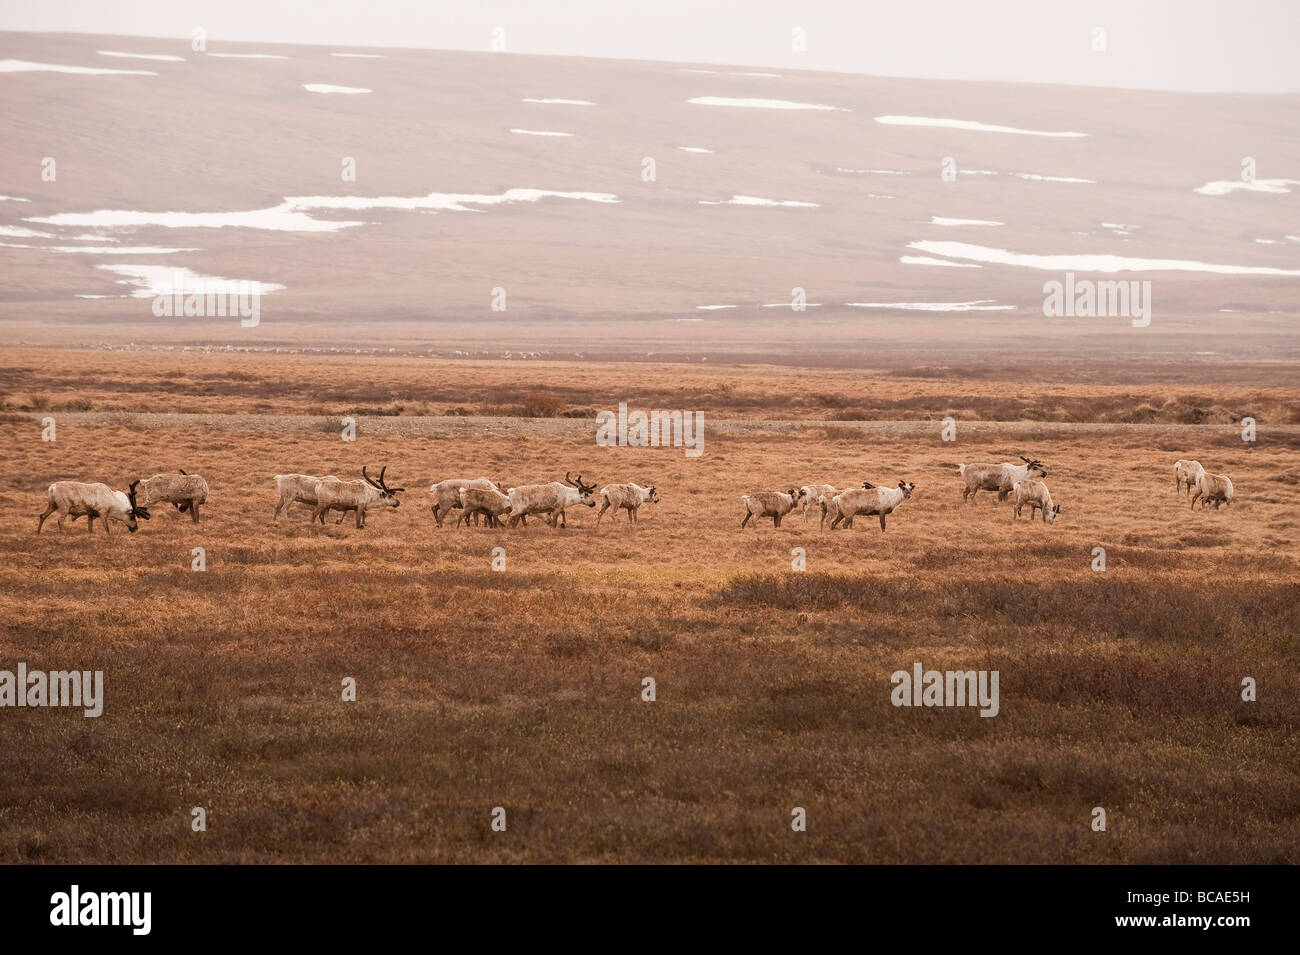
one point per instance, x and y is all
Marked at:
(521, 688)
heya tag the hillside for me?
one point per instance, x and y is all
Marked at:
(455, 195)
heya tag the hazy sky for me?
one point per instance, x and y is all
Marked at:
(1217, 45)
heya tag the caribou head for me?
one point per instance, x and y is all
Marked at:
(907, 489)
(585, 491)
(1035, 466)
(387, 495)
(136, 510)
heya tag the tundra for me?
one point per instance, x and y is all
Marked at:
(184, 491)
(355, 496)
(1213, 489)
(868, 499)
(1038, 497)
(811, 495)
(997, 477)
(446, 494)
(773, 504)
(298, 489)
(628, 496)
(1186, 472)
(74, 499)
(550, 499)
(489, 502)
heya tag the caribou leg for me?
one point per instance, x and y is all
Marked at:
(50, 510)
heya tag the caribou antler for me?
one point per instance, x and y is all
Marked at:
(136, 509)
(379, 484)
(577, 482)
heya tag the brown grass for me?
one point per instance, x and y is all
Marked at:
(46, 379)
(521, 689)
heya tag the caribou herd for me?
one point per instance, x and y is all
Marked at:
(500, 506)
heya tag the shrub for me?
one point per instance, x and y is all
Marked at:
(542, 404)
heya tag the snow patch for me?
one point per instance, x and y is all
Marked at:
(969, 125)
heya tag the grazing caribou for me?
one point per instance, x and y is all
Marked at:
(1038, 497)
(75, 499)
(355, 496)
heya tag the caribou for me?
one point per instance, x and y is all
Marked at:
(185, 492)
(489, 502)
(997, 477)
(298, 489)
(550, 499)
(355, 496)
(75, 499)
(1213, 489)
(1185, 473)
(773, 504)
(629, 496)
(1038, 497)
(811, 495)
(826, 503)
(867, 499)
(446, 494)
